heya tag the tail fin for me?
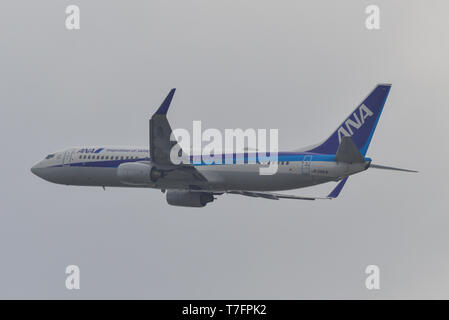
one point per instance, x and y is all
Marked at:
(360, 124)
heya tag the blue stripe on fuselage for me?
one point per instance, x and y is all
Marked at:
(235, 158)
(242, 158)
(105, 163)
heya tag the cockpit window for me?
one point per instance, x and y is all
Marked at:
(50, 156)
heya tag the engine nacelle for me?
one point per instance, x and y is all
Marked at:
(188, 199)
(137, 173)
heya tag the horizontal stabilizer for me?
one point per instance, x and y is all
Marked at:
(376, 166)
(348, 152)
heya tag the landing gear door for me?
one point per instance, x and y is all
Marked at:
(306, 165)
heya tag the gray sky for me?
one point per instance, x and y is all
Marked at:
(299, 66)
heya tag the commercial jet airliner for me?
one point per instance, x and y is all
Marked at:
(195, 184)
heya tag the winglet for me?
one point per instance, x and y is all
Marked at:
(164, 106)
(334, 193)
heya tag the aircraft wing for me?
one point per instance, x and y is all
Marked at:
(161, 146)
(186, 173)
(270, 195)
(276, 196)
(160, 133)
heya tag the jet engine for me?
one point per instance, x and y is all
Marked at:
(137, 173)
(188, 199)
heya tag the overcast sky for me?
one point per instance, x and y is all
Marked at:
(298, 66)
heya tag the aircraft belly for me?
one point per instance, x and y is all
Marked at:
(91, 176)
(248, 177)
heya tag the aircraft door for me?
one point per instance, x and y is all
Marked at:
(306, 165)
(67, 158)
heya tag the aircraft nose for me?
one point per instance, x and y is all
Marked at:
(35, 170)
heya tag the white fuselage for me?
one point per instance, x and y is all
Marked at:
(97, 166)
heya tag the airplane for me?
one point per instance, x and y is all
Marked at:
(196, 184)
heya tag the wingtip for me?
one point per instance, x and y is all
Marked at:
(163, 109)
(334, 193)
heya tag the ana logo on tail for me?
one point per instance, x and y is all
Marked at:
(357, 122)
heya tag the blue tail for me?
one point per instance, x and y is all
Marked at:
(360, 124)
